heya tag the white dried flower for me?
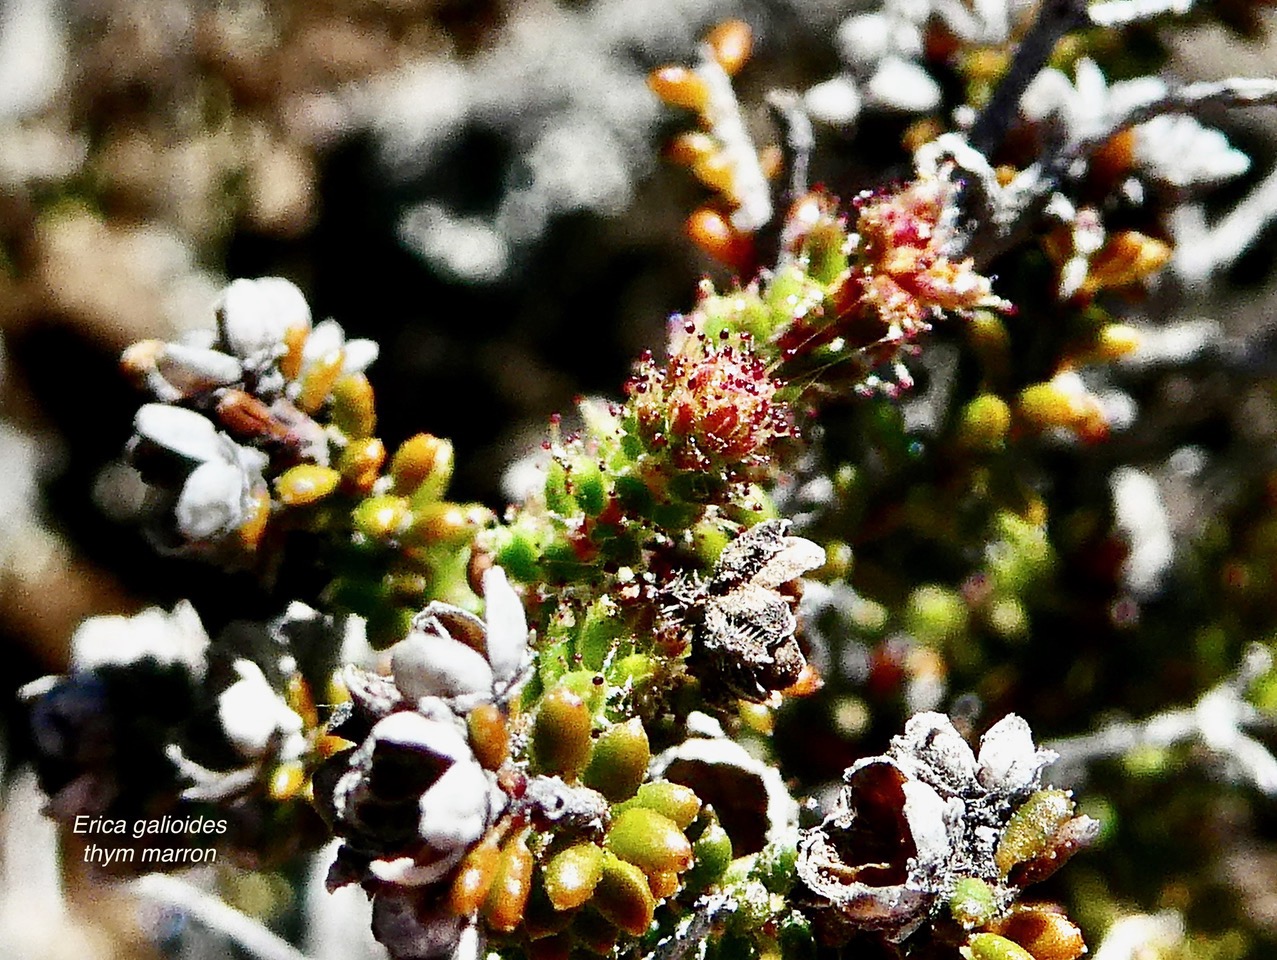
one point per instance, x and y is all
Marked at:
(453, 655)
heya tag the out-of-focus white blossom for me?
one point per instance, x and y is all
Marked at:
(255, 718)
(1179, 151)
(176, 637)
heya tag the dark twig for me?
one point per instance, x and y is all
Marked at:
(1055, 19)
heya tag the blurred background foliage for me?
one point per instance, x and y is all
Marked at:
(478, 186)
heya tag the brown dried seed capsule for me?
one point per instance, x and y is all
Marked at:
(572, 874)
(650, 841)
(561, 733)
(731, 41)
(679, 87)
(508, 895)
(305, 484)
(354, 410)
(1045, 933)
(489, 735)
(246, 417)
(474, 877)
(618, 761)
(623, 896)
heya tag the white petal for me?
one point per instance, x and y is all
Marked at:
(901, 85)
(360, 355)
(252, 714)
(326, 338)
(175, 638)
(457, 809)
(931, 749)
(933, 822)
(255, 313)
(837, 101)
(183, 431)
(436, 665)
(212, 501)
(507, 626)
(193, 369)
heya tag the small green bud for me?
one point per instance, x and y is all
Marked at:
(713, 853)
(572, 874)
(381, 518)
(990, 946)
(972, 903)
(618, 762)
(561, 733)
(935, 615)
(354, 412)
(650, 841)
(590, 486)
(984, 422)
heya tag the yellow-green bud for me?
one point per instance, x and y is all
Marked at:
(305, 484)
(572, 874)
(382, 518)
(618, 762)
(1031, 827)
(652, 842)
(561, 733)
(354, 412)
(623, 896)
(990, 946)
(672, 800)
(972, 903)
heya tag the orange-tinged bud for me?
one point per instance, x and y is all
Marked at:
(716, 172)
(300, 700)
(290, 364)
(254, 525)
(1045, 933)
(422, 466)
(695, 146)
(713, 233)
(475, 876)
(245, 416)
(305, 484)
(287, 780)
(508, 895)
(489, 736)
(679, 87)
(138, 360)
(663, 883)
(731, 42)
(1128, 257)
(317, 383)
(361, 462)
